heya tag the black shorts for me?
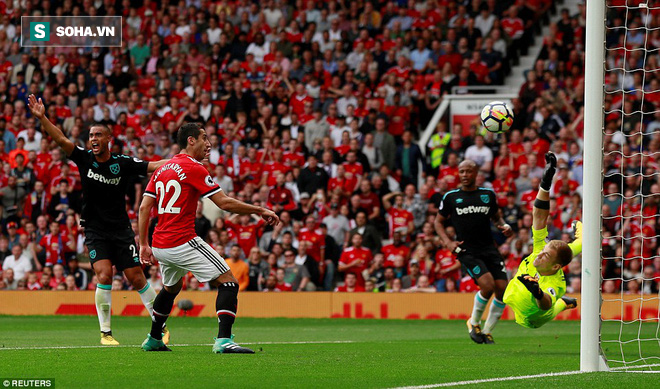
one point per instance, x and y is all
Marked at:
(478, 263)
(117, 246)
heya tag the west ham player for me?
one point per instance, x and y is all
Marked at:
(108, 233)
(470, 210)
(175, 188)
(536, 294)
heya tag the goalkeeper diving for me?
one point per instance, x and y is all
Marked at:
(536, 293)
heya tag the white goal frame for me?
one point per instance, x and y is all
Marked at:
(590, 351)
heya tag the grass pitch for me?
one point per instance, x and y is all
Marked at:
(327, 353)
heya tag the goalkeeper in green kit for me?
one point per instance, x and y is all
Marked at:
(536, 293)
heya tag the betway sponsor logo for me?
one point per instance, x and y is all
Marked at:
(472, 209)
(102, 179)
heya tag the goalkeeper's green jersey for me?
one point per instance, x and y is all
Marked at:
(528, 314)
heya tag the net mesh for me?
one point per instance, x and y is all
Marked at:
(630, 333)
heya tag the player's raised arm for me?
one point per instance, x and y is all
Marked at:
(39, 111)
(235, 206)
(542, 202)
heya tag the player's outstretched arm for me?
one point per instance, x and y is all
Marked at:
(155, 165)
(232, 205)
(146, 256)
(39, 111)
(542, 202)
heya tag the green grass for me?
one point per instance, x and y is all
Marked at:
(384, 353)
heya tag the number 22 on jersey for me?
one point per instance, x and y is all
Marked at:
(162, 191)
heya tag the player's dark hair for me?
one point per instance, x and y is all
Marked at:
(564, 253)
(187, 130)
(106, 129)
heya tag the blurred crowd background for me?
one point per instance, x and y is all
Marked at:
(314, 110)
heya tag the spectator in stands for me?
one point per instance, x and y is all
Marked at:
(18, 261)
(9, 282)
(385, 142)
(480, 154)
(12, 197)
(258, 270)
(79, 275)
(350, 284)
(239, 268)
(371, 238)
(408, 157)
(154, 278)
(296, 275)
(399, 219)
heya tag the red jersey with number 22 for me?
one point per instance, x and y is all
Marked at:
(177, 186)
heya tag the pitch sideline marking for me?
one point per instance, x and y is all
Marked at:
(487, 380)
(172, 345)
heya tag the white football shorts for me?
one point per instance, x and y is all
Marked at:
(195, 256)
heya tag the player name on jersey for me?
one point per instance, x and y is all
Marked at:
(172, 166)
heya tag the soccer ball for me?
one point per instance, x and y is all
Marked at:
(497, 117)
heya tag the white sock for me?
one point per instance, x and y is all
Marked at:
(494, 314)
(478, 309)
(103, 304)
(148, 295)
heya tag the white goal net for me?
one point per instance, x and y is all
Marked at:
(629, 250)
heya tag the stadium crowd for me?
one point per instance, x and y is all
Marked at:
(312, 109)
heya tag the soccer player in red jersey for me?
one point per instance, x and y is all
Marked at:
(175, 189)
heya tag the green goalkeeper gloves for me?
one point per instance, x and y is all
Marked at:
(532, 284)
(576, 245)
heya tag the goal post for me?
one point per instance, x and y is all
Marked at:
(590, 354)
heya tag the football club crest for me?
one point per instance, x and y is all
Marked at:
(476, 270)
(114, 169)
(92, 254)
(485, 198)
